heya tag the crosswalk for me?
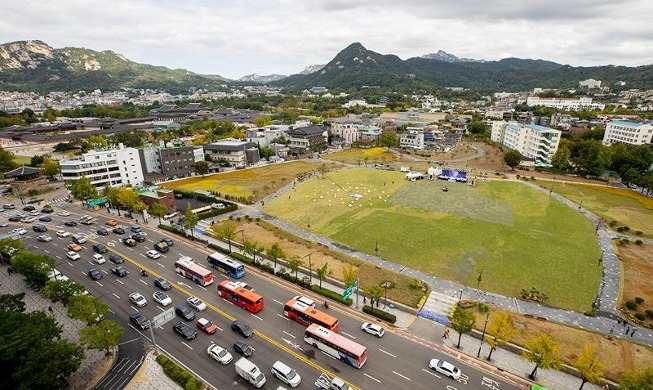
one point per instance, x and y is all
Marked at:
(438, 306)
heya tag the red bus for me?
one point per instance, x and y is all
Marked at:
(307, 315)
(335, 345)
(186, 267)
(235, 292)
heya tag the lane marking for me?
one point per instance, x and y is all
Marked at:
(429, 372)
(281, 303)
(284, 317)
(405, 377)
(254, 315)
(347, 334)
(387, 353)
(289, 334)
(187, 346)
(58, 257)
(372, 378)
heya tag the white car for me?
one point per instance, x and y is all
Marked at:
(162, 298)
(373, 329)
(99, 259)
(445, 368)
(152, 254)
(137, 299)
(62, 233)
(19, 231)
(73, 255)
(286, 374)
(220, 354)
(64, 214)
(196, 303)
(34, 213)
(44, 238)
(27, 219)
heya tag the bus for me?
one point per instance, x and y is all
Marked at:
(225, 265)
(245, 298)
(186, 267)
(335, 345)
(306, 315)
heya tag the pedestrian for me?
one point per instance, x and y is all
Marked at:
(627, 329)
(612, 329)
(50, 310)
(364, 299)
(9, 270)
(632, 332)
(446, 334)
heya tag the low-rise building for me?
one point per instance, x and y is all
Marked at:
(162, 196)
(535, 142)
(113, 167)
(566, 104)
(308, 138)
(631, 133)
(413, 138)
(234, 152)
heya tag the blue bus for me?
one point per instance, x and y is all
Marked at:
(225, 265)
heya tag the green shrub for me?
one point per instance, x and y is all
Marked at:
(639, 300)
(639, 242)
(649, 313)
(378, 313)
(640, 316)
(179, 375)
(482, 307)
(631, 305)
(331, 294)
(639, 232)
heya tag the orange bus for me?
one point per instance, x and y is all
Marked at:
(307, 315)
(239, 295)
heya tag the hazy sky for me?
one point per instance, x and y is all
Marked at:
(240, 37)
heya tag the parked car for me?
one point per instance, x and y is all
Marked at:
(47, 210)
(242, 328)
(162, 284)
(8, 206)
(137, 299)
(29, 208)
(27, 219)
(162, 298)
(184, 330)
(243, 348)
(373, 329)
(64, 214)
(95, 274)
(15, 218)
(119, 271)
(62, 233)
(44, 238)
(206, 326)
(445, 368)
(19, 231)
(196, 303)
(3, 224)
(220, 354)
(116, 258)
(140, 321)
(184, 312)
(102, 231)
(179, 196)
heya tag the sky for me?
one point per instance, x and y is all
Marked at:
(241, 37)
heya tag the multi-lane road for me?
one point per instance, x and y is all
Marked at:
(394, 361)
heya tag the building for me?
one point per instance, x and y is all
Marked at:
(235, 152)
(413, 138)
(264, 136)
(631, 133)
(590, 83)
(162, 196)
(347, 131)
(308, 138)
(566, 104)
(27, 181)
(535, 142)
(114, 167)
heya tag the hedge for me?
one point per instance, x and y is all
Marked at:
(331, 294)
(205, 198)
(182, 233)
(179, 375)
(378, 313)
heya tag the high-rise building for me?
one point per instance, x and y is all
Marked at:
(114, 167)
(532, 141)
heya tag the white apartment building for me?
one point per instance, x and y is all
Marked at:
(348, 131)
(263, 136)
(567, 104)
(114, 167)
(631, 133)
(590, 83)
(235, 152)
(536, 142)
(413, 138)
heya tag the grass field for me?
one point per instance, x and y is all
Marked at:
(637, 273)
(358, 156)
(22, 160)
(519, 237)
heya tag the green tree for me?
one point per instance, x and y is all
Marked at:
(82, 188)
(462, 321)
(34, 267)
(262, 121)
(98, 141)
(51, 168)
(641, 380)
(158, 210)
(6, 160)
(512, 158)
(323, 169)
(542, 351)
(36, 161)
(12, 302)
(225, 231)
(588, 365)
(62, 290)
(294, 263)
(375, 293)
(9, 245)
(321, 273)
(112, 194)
(388, 139)
(275, 252)
(190, 219)
(560, 159)
(477, 127)
(86, 308)
(500, 330)
(127, 197)
(349, 273)
(249, 248)
(201, 168)
(140, 207)
(267, 152)
(102, 336)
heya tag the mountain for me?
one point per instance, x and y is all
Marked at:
(262, 79)
(35, 66)
(311, 69)
(357, 67)
(447, 57)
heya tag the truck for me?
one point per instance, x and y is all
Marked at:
(325, 382)
(250, 372)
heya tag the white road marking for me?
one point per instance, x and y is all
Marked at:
(281, 303)
(219, 328)
(120, 281)
(372, 378)
(289, 334)
(36, 247)
(429, 372)
(347, 334)
(58, 257)
(387, 353)
(160, 265)
(142, 254)
(187, 346)
(46, 251)
(144, 282)
(254, 315)
(284, 317)
(396, 373)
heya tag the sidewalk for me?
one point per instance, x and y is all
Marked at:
(151, 376)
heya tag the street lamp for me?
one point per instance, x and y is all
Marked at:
(480, 278)
(310, 268)
(97, 312)
(386, 284)
(487, 318)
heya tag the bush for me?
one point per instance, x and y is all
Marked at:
(639, 232)
(639, 300)
(482, 307)
(179, 375)
(385, 316)
(649, 313)
(631, 305)
(331, 294)
(640, 316)
(639, 242)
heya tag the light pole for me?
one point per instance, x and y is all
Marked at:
(487, 318)
(479, 279)
(310, 268)
(97, 312)
(386, 284)
(376, 248)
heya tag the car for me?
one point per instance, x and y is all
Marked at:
(19, 231)
(111, 222)
(152, 254)
(184, 330)
(168, 241)
(184, 312)
(8, 206)
(445, 368)
(373, 329)
(99, 259)
(139, 237)
(162, 284)
(15, 218)
(44, 238)
(73, 255)
(102, 231)
(243, 348)
(27, 219)
(161, 247)
(140, 321)
(137, 299)
(118, 230)
(286, 374)
(179, 196)
(305, 300)
(136, 229)
(79, 238)
(206, 326)
(220, 354)
(95, 274)
(47, 210)
(119, 271)
(3, 224)
(99, 248)
(74, 247)
(196, 303)
(242, 328)
(29, 208)
(45, 219)
(170, 215)
(162, 298)
(129, 241)
(70, 223)
(116, 258)
(34, 213)
(64, 214)
(39, 228)
(62, 233)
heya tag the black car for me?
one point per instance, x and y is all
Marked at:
(129, 241)
(15, 218)
(99, 248)
(29, 208)
(161, 247)
(139, 237)
(95, 274)
(70, 223)
(45, 219)
(102, 231)
(47, 210)
(118, 230)
(162, 284)
(168, 241)
(184, 312)
(243, 349)
(116, 259)
(39, 228)
(184, 330)
(140, 321)
(119, 271)
(242, 328)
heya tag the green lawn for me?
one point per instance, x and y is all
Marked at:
(22, 160)
(518, 236)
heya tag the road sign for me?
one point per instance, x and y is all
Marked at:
(349, 290)
(163, 317)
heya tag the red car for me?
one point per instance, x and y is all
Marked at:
(206, 326)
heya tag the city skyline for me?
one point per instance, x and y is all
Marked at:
(285, 36)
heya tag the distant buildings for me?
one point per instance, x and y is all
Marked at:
(309, 138)
(566, 104)
(413, 138)
(109, 167)
(631, 133)
(590, 83)
(173, 162)
(239, 154)
(534, 142)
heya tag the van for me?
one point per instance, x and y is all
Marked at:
(286, 374)
(171, 215)
(79, 239)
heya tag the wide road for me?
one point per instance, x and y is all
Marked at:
(394, 361)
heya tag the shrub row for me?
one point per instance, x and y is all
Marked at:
(214, 212)
(380, 314)
(182, 233)
(179, 375)
(331, 294)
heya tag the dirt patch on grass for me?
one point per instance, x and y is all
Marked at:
(637, 266)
